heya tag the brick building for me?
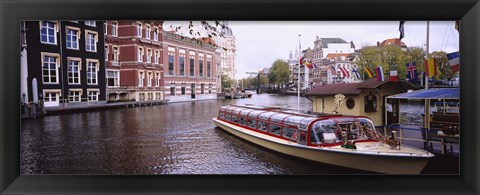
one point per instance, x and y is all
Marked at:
(190, 68)
(64, 63)
(134, 60)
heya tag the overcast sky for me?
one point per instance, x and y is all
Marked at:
(260, 43)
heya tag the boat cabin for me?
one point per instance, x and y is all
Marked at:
(325, 130)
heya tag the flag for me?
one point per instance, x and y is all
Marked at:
(400, 28)
(355, 71)
(332, 69)
(454, 61)
(315, 66)
(431, 67)
(393, 73)
(301, 61)
(457, 25)
(379, 71)
(369, 73)
(412, 71)
(345, 72)
(308, 64)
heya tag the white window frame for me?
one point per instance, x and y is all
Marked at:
(88, 44)
(92, 95)
(55, 30)
(149, 55)
(57, 66)
(106, 52)
(155, 34)
(116, 78)
(157, 56)
(74, 95)
(116, 55)
(77, 36)
(48, 96)
(149, 78)
(96, 67)
(147, 31)
(141, 78)
(89, 23)
(114, 28)
(157, 79)
(139, 29)
(76, 75)
(140, 54)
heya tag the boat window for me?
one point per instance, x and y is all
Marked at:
(293, 120)
(278, 118)
(252, 123)
(274, 129)
(304, 122)
(325, 131)
(245, 112)
(254, 114)
(222, 115)
(234, 119)
(242, 121)
(229, 109)
(237, 110)
(301, 137)
(262, 126)
(288, 133)
(266, 115)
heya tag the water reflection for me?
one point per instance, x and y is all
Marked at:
(177, 138)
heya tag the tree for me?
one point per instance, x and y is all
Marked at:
(226, 81)
(279, 73)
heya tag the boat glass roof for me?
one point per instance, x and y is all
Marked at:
(255, 113)
(266, 115)
(278, 118)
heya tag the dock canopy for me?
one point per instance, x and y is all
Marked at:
(433, 93)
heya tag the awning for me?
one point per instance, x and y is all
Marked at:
(433, 93)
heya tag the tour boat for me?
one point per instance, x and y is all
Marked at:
(347, 141)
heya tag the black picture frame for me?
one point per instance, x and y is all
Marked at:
(12, 12)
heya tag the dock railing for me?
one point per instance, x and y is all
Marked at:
(427, 136)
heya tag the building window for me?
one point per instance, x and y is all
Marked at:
(139, 29)
(106, 53)
(51, 98)
(208, 69)
(74, 95)
(200, 67)
(141, 77)
(157, 79)
(48, 32)
(72, 38)
(149, 55)
(140, 55)
(116, 52)
(112, 78)
(149, 79)
(172, 89)
(170, 63)
(156, 57)
(50, 69)
(90, 23)
(91, 40)
(147, 31)
(114, 29)
(210, 88)
(202, 88)
(93, 95)
(155, 34)
(92, 72)
(73, 71)
(181, 64)
(192, 66)
(184, 89)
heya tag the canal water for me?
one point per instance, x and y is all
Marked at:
(178, 138)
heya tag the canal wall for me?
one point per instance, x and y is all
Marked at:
(188, 98)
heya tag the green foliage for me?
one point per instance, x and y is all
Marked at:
(373, 56)
(227, 82)
(279, 72)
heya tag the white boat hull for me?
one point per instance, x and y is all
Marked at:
(369, 156)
